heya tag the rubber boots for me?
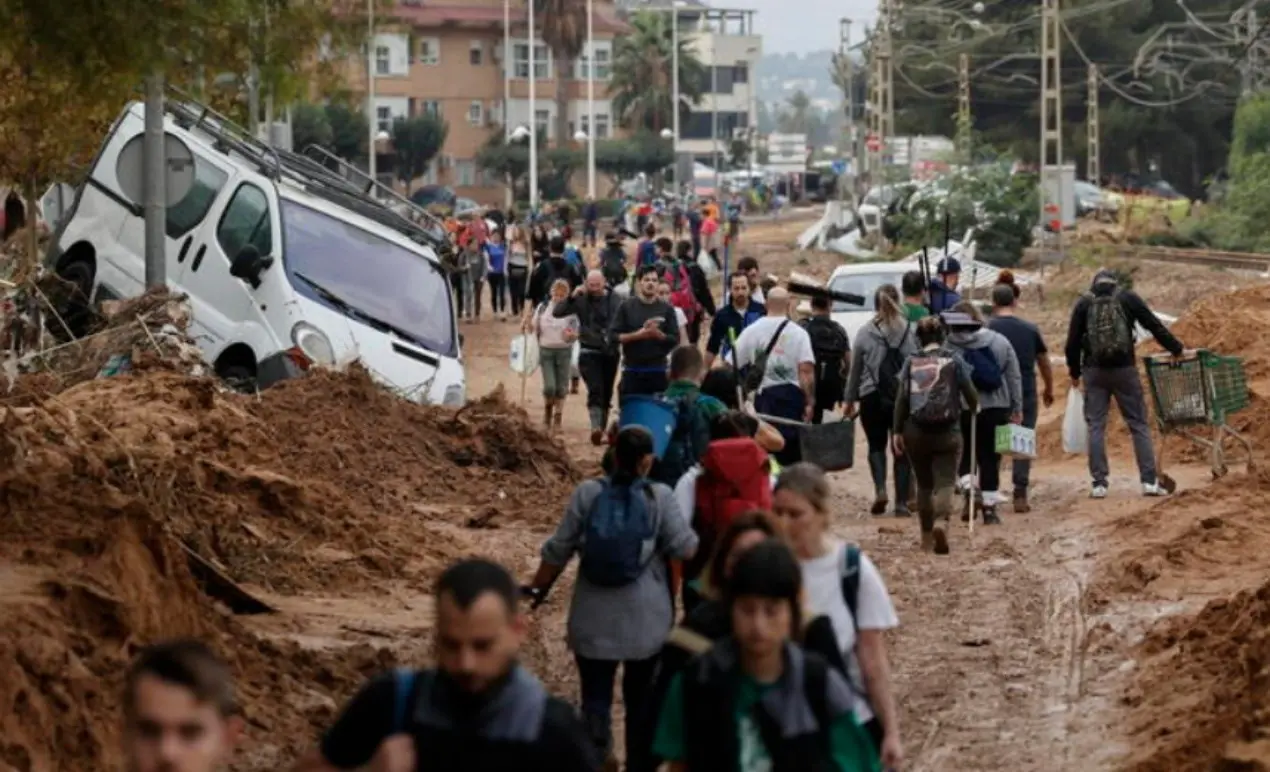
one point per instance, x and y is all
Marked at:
(548, 411)
(903, 476)
(597, 416)
(877, 468)
(557, 420)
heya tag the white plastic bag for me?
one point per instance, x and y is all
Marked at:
(524, 355)
(1075, 431)
(706, 263)
(577, 352)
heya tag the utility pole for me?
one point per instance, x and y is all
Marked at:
(372, 115)
(154, 189)
(963, 109)
(848, 75)
(886, 91)
(1051, 122)
(1093, 168)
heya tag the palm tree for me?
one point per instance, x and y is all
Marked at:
(564, 32)
(797, 119)
(641, 88)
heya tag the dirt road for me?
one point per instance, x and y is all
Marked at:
(1072, 638)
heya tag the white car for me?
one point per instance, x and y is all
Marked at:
(862, 279)
(285, 264)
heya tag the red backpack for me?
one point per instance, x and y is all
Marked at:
(736, 478)
(681, 294)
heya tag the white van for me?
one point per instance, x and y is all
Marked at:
(285, 261)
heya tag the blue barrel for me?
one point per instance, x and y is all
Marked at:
(654, 414)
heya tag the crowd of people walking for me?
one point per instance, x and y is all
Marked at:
(747, 636)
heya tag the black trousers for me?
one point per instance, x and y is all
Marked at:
(517, 278)
(985, 448)
(597, 677)
(498, 292)
(599, 372)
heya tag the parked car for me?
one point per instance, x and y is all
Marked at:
(862, 279)
(432, 195)
(1094, 201)
(282, 264)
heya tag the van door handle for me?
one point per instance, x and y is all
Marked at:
(198, 258)
(185, 248)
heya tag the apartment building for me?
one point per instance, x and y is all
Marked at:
(447, 58)
(724, 41)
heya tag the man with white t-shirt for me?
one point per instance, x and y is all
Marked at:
(789, 372)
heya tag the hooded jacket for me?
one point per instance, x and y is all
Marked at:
(941, 297)
(868, 352)
(595, 312)
(1135, 309)
(1010, 395)
(735, 478)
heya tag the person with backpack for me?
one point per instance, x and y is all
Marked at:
(781, 370)
(994, 370)
(758, 700)
(517, 264)
(1100, 348)
(934, 383)
(646, 249)
(734, 475)
(613, 261)
(832, 347)
(877, 356)
(624, 528)
(646, 329)
(693, 413)
(547, 272)
(731, 320)
(595, 306)
(1029, 347)
(690, 290)
(841, 583)
(478, 709)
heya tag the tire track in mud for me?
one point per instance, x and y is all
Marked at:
(990, 661)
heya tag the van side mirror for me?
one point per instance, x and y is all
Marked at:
(248, 265)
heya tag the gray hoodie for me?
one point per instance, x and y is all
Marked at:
(1010, 395)
(869, 350)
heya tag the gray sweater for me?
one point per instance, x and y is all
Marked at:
(868, 352)
(630, 622)
(1010, 395)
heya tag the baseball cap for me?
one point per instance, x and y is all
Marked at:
(948, 266)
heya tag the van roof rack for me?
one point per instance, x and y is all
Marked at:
(318, 171)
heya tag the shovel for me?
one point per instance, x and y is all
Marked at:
(1166, 482)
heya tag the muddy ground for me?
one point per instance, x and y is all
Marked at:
(1125, 634)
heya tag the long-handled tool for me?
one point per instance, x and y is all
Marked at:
(974, 471)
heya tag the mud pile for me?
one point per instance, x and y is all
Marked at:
(1199, 700)
(1227, 323)
(120, 491)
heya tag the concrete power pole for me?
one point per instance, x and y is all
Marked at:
(1249, 64)
(882, 117)
(1051, 120)
(1093, 167)
(848, 74)
(963, 109)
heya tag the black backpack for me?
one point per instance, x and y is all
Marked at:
(888, 375)
(831, 346)
(1108, 330)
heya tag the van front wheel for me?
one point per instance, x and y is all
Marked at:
(240, 378)
(75, 307)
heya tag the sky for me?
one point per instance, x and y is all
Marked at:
(797, 26)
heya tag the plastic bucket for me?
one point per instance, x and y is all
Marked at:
(654, 414)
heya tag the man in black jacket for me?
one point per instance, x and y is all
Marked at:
(546, 273)
(1100, 356)
(595, 305)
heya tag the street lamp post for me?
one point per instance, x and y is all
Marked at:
(674, 95)
(372, 117)
(533, 116)
(509, 198)
(590, 99)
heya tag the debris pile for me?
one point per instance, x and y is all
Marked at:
(154, 503)
(1198, 702)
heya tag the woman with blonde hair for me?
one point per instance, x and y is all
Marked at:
(555, 346)
(878, 353)
(841, 583)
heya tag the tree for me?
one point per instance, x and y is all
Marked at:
(797, 118)
(564, 32)
(739, 152)
(310, 126)
(642, 88)
(350, 131)
(415, 142)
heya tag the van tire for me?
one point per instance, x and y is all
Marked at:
(77, 310)
(240, 378)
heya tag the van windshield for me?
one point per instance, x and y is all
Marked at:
(865, 284)
(372, 275)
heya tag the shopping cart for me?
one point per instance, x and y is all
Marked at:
(1199, 389)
